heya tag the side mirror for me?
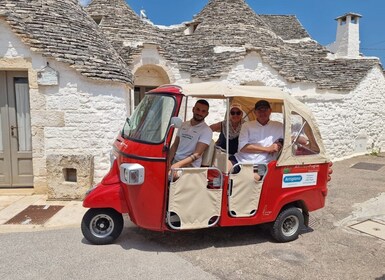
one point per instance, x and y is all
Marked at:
(176, 122)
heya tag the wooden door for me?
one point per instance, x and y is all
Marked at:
(15, 128)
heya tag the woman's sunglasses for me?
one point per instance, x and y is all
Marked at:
(238, 113)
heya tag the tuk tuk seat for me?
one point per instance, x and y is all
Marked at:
(244, 192)
(193, 200)
(220, 160)
(208, 155)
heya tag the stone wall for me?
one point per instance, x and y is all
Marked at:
(350, 120)
(351, 123)
(93, 114)
(77, 117)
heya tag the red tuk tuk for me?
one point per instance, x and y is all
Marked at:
(138, 183)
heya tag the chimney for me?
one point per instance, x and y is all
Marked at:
(347, 42)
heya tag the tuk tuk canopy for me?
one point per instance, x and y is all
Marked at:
(280, 102)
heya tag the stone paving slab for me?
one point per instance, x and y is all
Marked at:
(17, 206)
(373, 209)
(5, 201)
(70, 216)
(372, 228)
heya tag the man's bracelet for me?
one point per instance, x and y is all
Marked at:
(193, 157)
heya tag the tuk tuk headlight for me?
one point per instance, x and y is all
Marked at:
(131, 173)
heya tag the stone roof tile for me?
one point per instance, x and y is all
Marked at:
(61, 29)
(285, 26)
(231, 24)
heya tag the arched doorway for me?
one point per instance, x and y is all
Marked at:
(148, 77)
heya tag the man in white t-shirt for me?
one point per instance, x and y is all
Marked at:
(260, 140)
(192, 139)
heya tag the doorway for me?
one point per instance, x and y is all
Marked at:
(148, 77)
(15, 131)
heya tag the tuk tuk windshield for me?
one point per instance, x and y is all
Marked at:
(150, 119)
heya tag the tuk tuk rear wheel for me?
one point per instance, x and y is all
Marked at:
(102, 225)
(288, 225)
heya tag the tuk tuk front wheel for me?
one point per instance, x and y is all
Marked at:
(102, 225)
(288, 225)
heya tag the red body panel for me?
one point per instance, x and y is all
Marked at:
(108, 193)
(146, 200)
(273, 197)
(146, 203)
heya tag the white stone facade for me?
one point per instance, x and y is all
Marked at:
(351, 123)
(79, 116)
(93, 113)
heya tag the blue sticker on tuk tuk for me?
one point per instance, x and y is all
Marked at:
(293, 180)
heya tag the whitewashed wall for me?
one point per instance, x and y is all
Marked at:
(351, 123)
(77, 116)
(93, 113)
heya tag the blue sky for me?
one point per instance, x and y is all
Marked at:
(316, 16)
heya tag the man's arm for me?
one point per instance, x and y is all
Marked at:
(217, 127)
(255, 148)
(199, 150)
(251, 148)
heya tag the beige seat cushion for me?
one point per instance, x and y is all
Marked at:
(208, 155)
(244, 197)
(220, 160)
(192, 201)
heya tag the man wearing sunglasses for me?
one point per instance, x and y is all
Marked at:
(259, 140)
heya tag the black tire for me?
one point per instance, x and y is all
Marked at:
(102, 226)
(288, 225)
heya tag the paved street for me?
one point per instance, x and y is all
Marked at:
(331, 250)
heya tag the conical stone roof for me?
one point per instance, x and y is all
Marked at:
(123, 27)
(234, 28)
(230, 16)
(62, 30)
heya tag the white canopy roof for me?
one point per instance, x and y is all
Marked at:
(280, 101)
(223, 90)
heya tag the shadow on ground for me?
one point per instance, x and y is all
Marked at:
(180, 241)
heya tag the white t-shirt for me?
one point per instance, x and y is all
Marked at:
(189, 136)
(264, 135)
